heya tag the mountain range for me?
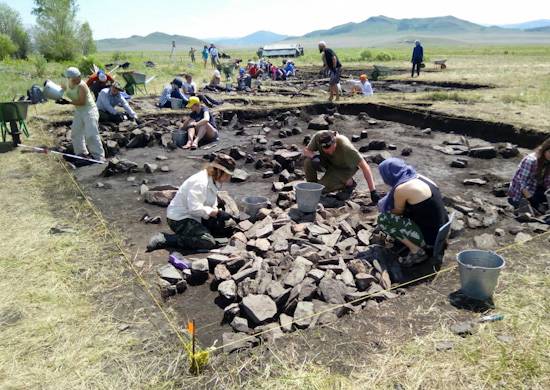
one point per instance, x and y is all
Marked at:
(375, 31)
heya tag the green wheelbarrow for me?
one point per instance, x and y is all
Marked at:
(136, 82)
(14, 115)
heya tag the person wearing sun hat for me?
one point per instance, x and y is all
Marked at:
(85, 127)
(201, 125)
(172, 91)
(362, 86)
(193, 214)
(108, 99)
(98, 81)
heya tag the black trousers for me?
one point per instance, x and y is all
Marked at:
(105, 116)
(417, 65)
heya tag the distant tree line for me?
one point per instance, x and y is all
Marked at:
(57, 35)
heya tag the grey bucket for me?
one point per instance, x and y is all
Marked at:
(176, 103)
(479, 272)
(179, 137)
(308, 196)
(253, 203)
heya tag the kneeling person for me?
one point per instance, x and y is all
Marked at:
(200, 125)
(412, 211)
(193, 214)
(108, 99)
(340, 159)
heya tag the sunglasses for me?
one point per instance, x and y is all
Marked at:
(327, 145)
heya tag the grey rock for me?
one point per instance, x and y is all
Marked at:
(280, 246)
(357, 266)
(286, 322)
(346, 228)
(160, 198)
(150, 168)
(316, 230)
(221, 273)
(258, 308)
(199, 265)
(464, 328)
(363, 281)
(521, 237)
(295, 276)
(228, 289)
(246, 273)
(347, 245)
(170, 273)
(478, 181)
(445, 345)
(239, 175)
(332, 291)
(364, 236)
(485, 241)
(275, 290)
(308, 289)
(330, 240)
(316, 274)
(485, 152)
(303, 314)
(457, 227)
(230, 206)
(240, 324)
(318, 123)
(283, 233)
(347, 277)
(261, 228)
(236, 341)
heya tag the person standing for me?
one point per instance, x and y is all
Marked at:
(417, 58)
(84, 130)
(335, 154)
(192, 54)
(334, 67)
(193, 214)
(108, 99)
(205, 55)
(214, 56)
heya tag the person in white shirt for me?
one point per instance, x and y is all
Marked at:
(108, 99)
(193, 214)
(363, 86)
(189, 87)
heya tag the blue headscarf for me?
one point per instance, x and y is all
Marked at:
(394, 172)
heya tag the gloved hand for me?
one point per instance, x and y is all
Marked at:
(316, 163)
(375, 197)
(62, 101)
(223, 215)
(138, 121)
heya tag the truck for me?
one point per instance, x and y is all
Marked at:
(281, 50)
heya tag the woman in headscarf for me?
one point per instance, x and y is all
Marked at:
(532, 178)
(85, 127)
(193, 214)
(412, 211)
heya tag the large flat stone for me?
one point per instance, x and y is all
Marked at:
(258, 308)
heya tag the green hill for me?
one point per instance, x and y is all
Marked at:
(153, 41)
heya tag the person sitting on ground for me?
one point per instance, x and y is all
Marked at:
(108, 99)
(244, 81)
(215, 82)
(253, 70)
(189, 87)
(417, 58)
(200, 125)
(99, 81)
(172, 91)
(362, 86)
(193, 214)
(335, 154)
(413, 210)
(532, 179)
(288, 68)
(276, 73)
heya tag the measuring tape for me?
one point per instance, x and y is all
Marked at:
(46, 151)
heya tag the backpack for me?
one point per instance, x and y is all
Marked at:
(35, 94)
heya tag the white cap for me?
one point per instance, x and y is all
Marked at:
(72, 72)
(217, 73)
(322, 43)
(102, 77)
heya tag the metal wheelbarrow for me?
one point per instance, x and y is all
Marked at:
(14, 114)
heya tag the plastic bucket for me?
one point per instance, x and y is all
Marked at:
(176, 103)
(253, 203)
(479, 272)
(52, 91)
(308, 196)
(179, 137)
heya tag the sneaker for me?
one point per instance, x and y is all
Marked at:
(158, 241)
(413, 258)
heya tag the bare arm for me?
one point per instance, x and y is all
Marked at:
(204, 120)
(81, 101)
(308, 153)
(334, 61)
(367, 173)
(399, 201)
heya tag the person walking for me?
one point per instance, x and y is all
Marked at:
(417, 58)
(192, 54)
(205, 55)
(332, 64)
(85, 126)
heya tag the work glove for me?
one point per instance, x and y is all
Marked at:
(375, 197)
(62, 101)
(223, 215)
(138, 121)
(316, 163)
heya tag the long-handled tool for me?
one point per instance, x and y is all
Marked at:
(36, 149)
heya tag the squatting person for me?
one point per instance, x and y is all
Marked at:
(193, 214)
(335, 154)
(108, 99)
(84, 130)
(532, 178)
(412, 211)
(172, 91)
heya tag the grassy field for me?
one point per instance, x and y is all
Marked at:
(520, 73)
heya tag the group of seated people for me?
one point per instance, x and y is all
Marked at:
(183, 90)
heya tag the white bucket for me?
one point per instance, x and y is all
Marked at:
(308, 196)
(52, 91)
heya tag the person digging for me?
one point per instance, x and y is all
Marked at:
(335, 154)
(193, 214)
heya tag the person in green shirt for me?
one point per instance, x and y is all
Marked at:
(335, 154)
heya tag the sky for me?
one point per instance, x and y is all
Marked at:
(234, 18)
